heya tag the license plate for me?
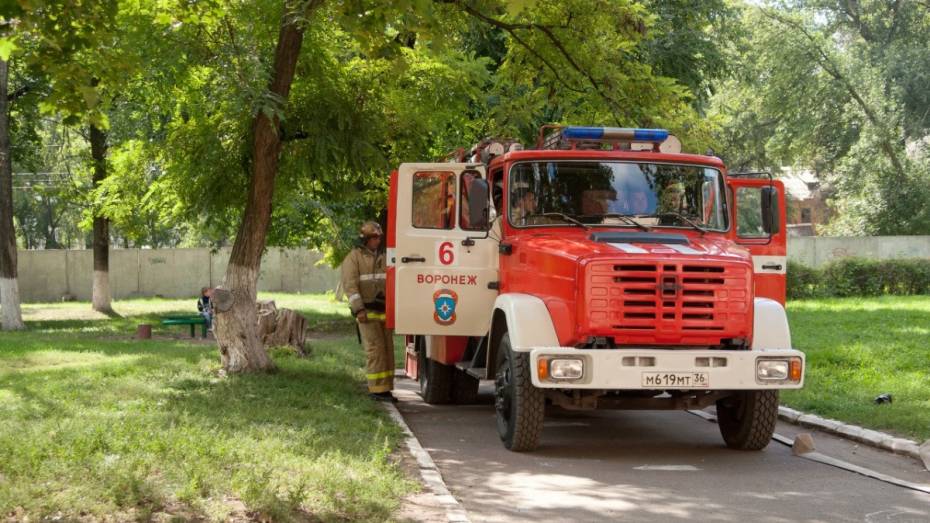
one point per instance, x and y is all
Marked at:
(676, 380)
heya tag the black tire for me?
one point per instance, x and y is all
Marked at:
(464, 388)
(519, 406)
(747, 419)
(434, 377)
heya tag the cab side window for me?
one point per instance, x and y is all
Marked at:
(434, 200)
(749, 219)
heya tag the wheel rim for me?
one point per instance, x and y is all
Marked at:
(503, 391)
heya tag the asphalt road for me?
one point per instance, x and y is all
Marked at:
(651, 466)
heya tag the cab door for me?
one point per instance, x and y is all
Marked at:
(442, 258)
(759, 225)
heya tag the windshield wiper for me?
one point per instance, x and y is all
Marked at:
(680, 216)
(565, 217)
(627, 218)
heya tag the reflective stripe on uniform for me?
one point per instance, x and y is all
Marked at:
(355, 296)
(379, 375)
(369, 277)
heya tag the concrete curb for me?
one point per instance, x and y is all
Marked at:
(429, 472)
(869, 437)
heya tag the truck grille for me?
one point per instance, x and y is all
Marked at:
(668, 303)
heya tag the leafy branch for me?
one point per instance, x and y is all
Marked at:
(547, 30)
(819, 55)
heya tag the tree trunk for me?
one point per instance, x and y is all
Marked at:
(100, 293)
(281, 327)
(9, 285)
(235, 326)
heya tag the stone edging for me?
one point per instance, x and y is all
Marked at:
(869, 437)
(429, 472)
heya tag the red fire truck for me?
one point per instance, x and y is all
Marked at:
(602, 268)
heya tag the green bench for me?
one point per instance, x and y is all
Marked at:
(187, 320)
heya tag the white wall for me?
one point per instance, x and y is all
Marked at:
(815, 251)
(47, 275)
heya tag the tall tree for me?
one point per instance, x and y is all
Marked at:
(241, 348)
(9, 284)
(71, 44)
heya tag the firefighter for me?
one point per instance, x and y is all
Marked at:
(672, 199)
(363, 281)
(523, 203)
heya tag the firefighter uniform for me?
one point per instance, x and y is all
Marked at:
(363, 280)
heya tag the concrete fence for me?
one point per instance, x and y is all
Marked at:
(815, 251)
(180, 273)
(48, 275)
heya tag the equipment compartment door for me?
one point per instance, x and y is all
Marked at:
(765, 241)
(442, 258)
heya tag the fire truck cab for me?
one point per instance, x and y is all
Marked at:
(600, 269)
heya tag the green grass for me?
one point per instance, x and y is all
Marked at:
(858, 348)
(94, 424)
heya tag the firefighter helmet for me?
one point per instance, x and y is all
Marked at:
(369, 230)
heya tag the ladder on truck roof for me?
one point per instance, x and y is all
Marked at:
(567, 138)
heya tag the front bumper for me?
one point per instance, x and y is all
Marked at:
(661, 369)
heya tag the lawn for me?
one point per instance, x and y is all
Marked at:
(94, 424)
(858, 348)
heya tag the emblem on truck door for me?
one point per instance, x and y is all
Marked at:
(445, 301)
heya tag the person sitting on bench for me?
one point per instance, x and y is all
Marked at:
(203, 305)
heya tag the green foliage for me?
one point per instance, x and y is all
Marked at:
(69, 45)
(390, 83)
(378, 83)
(860, 277)
(48, 194)
(125, 198)
(687, 43)
(870, 199)
(802, 281)
(823, 84)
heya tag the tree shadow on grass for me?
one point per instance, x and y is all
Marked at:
(116, 324)
(309, 416)
(317, 321)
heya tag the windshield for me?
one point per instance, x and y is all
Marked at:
(610, 193)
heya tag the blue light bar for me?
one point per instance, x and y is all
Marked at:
(650, 135)
(615, 133)
(583, 133)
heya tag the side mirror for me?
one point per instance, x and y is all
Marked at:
(770, 214)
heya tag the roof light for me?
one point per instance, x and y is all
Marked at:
(615, 133)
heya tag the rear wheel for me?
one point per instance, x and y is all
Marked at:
(519, 405)
(434, 377)
(747, 418)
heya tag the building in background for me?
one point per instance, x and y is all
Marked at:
(807, 205)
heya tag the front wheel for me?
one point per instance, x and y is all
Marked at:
(519, 405)
(747, 418)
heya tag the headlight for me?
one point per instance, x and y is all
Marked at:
(566, 368)
(772, 370)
